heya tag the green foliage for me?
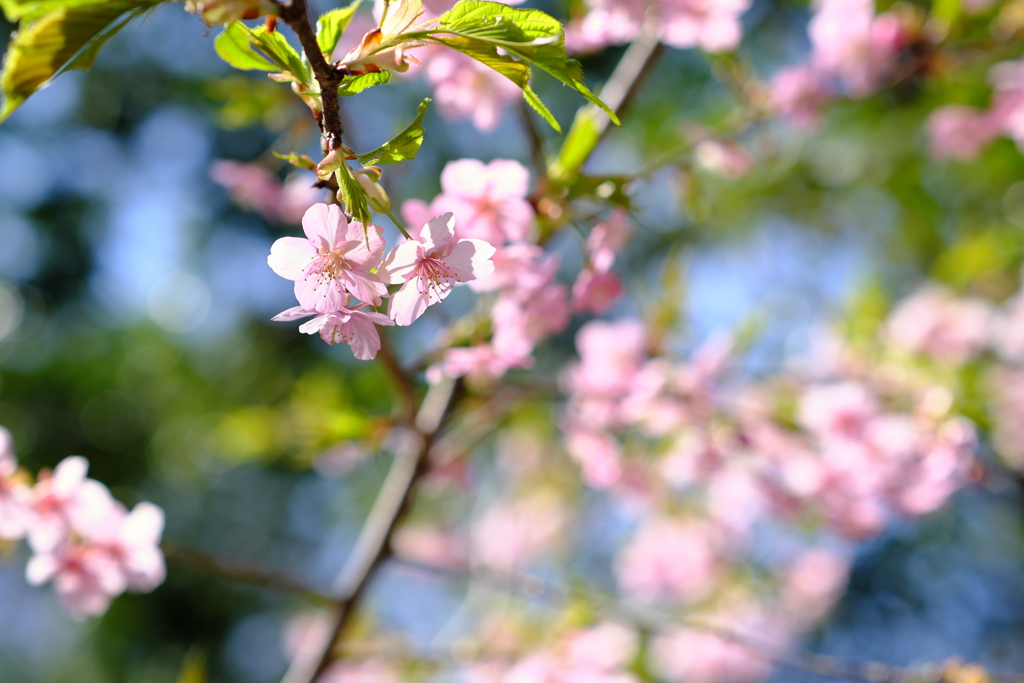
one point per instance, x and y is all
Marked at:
(477, 28)
(353, 85)
(403, 146)
(55, 36)
(257, 49)
(298, 160)
(331, 26)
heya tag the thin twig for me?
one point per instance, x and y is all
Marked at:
(374, 543)
(239, 571)
(629, 73)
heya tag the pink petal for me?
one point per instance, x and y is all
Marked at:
(507, 178)
(365, 341)
(324, 224)
(293, 313)
(289, 257)
(439, 232)
(400, 262)
(466, 178)
(470, 260)
(363, 248)
(41, 568)
(408, 303)
(69, 474)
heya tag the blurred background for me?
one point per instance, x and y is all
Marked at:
(135, 306)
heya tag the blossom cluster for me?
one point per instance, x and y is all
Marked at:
(83, 540)
(340, 261)
(712, 25)
(854, 51)
(961, 132)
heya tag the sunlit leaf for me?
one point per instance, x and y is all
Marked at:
(331, 26)
(353, 85)
(56, 36)
(403, 146)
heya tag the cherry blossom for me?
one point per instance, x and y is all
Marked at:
(430, 265)
(799, 93)
(958, 132)
(466, 89)
(852, 44)
(64, 501)
(342, 326)
(669, 559)
(13, 492)
(935, 322)
(334, 261)
(85, 578)
(713, 25)
(489, 200)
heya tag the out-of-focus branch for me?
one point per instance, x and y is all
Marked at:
(296, 15)
(402, 378)
(656, 621)
(374, 543)
(239, 571)
(629, 73)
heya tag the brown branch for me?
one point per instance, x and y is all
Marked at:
(373, 546)
(239, 571)
(296, 15)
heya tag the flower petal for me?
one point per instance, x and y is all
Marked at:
(293, 313)
(470, 260)
(408, 303)
(439, 232)
(289, 257)
(400, 262)
(324, 222)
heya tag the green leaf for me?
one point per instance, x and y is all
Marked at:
(579, 143)
(57, 36)
(478, 28)
(403, 146)
(259, 49)
(298, 160)
(353, 196)
(331, 26)
(235, 48)
(352, 85)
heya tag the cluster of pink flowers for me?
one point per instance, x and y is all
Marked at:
(961, 132)
(83, 541)
(712, 25)
(528, 304)
(853, 50)
(339, 261)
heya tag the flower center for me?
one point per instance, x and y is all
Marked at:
(435, 276)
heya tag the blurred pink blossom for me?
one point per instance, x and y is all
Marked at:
(813, 583)
(850, 43)
(466, 89)
(595, 292)
(685, 655)
(64, 501)
(669, 559)
(514, 534)
(488, 200)
(86, 578)
(255, 188)
(14, 513)
(799, 93)
(607, 239)
(958, 132)
(713, 25)
(935, 322)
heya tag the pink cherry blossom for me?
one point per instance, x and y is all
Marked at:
(713, 25)
(332, 262)
(349, 326)
(935, 322)
(813, 583)
(611, 354)
(598, 454)
(466, 89)
(671, 559)
(607, 239)
(512, 535)
(838, 411)
(1008, 330)
(685, 655)
(430, 265)
(605, 647)
(523, 267)
(255, 188)
(799, 93)
(14, 514)
(852, 44)
(521, 322)
(488, 200)
(958, 132)
(85, 578)
(133, 540)
(63, 501)
(595, 292)
(481, 364)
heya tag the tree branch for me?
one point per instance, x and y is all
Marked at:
(240, 572)
(296, 15)
(374, 543)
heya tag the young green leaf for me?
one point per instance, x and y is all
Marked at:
(331, 26)
(403, 146)
(352, 85)
(257, 49)
(353, 196)
(298, 160)
(478, 28)
(56, 36)
(235, 48)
